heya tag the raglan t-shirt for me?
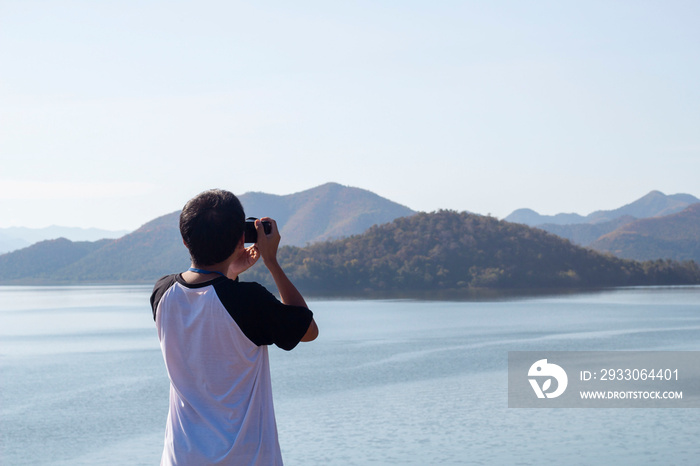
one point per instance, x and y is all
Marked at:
(214, 338)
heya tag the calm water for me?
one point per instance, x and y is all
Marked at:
(387, 382)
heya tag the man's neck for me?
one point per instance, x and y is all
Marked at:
(204, 273)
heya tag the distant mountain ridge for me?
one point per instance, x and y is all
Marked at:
(356, 215)
(42, 259)
(653, 204)
(325, 212)
(675, 236)
(13, 238)
(652, 227)
(156, 248)
(584, 234)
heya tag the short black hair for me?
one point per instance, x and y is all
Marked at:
(211, 224)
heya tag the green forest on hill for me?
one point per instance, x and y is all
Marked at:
(448, 250)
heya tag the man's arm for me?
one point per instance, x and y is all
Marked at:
(267, 246)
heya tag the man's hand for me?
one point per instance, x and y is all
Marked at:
(245, 260)
(267, 244)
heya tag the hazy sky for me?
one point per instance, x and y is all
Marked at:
(115, 112)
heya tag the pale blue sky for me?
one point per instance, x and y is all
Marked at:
(115, 112)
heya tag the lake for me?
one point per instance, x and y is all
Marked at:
(388, 382)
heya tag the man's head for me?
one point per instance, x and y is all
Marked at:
(212, 225)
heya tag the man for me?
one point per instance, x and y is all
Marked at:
(214, 331)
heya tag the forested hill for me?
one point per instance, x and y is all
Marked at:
(448, 250)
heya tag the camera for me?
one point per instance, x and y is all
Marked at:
(251, 234)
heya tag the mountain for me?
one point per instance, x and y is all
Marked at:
(584, 234)
(14, 238)
(675, 236)
(653, 204)
(330, 210)
(532, 218)
(454, 251)
(41, 260)
(645, 229)
(142, 256)
(444, 250)
(325, 212)
(10, 243)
